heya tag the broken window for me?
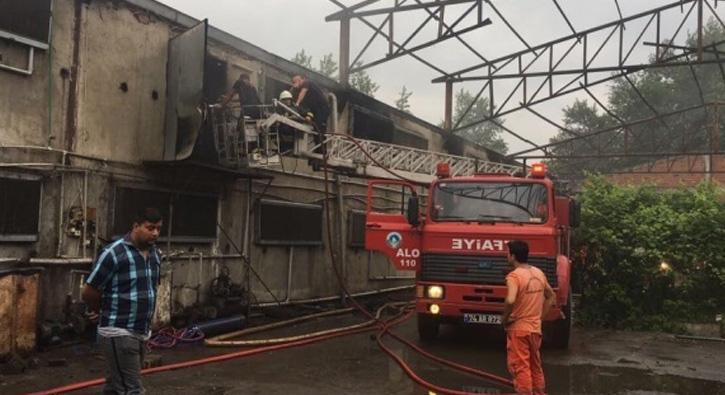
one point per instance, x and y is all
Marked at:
(28, 20)
(371, 126)
(215, 79)
(19, 209)
(194, 217)
(288, 223)
(356, 228)
(408, 139)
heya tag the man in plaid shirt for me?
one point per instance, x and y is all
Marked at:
(121, 295)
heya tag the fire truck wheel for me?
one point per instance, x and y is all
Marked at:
(561, 329)
(427, 327)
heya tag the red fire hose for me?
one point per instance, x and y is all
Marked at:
(384, 327)
(219, 358)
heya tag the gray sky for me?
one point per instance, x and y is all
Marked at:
(286, 26)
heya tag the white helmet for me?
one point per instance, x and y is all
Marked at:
(285, 95)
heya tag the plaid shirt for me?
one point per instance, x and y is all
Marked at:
(128, 283)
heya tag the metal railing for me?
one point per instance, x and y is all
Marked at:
(237, 147)
(406, 159)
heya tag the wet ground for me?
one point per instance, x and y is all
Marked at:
(598, 362)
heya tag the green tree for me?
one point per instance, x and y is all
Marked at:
(649, 259)
(665, 90)
(302, 59)
(361, 81)
(328, 66)
(402, 103)
(581, 118)
(487, 134)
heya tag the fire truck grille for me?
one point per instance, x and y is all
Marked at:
(484, 270)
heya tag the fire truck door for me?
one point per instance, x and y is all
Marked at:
(393, 229)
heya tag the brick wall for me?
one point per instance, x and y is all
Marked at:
(681, 171)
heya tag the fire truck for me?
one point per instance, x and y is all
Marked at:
(456, 244)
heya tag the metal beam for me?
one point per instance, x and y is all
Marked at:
(628, 68)
(346, 11)
(614, 128)
(378, 11)
(506, 22)
(684, 48)
(631, 155)
(442, 24)
(518, 136)
(403, 51)
(563, 14)
(414, 56)
(545, 46)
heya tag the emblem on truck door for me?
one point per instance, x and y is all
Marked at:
(394, 239)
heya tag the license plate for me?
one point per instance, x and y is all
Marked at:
(492, 319)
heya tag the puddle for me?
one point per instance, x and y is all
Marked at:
(583, 379)
(490, 355)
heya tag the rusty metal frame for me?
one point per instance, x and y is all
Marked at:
(397, 49)
(583, 74)
(617, 128)
(533, 80)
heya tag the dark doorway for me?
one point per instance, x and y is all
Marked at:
(215, 79)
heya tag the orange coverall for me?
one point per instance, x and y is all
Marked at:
(523, 337)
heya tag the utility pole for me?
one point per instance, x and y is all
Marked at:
(345, 51)
(448, 111)
(699, 31)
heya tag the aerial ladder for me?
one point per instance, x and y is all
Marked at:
(256, 143)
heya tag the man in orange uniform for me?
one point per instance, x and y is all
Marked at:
(529, 298)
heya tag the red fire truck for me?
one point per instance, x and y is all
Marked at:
(457, 246)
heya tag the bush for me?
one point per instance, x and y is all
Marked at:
(649, 259)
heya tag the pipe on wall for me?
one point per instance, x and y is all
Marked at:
(332, 98)
(341, 231)
(61, 198)
(61, 261)
(85, 213)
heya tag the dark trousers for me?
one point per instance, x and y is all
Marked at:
(124, 360)
(321, 129)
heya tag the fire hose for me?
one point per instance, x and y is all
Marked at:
(221, 340)
(374, 322)
(397, 319)
(385, 329)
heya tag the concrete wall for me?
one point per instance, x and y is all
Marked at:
(109, 132)
(24, 102)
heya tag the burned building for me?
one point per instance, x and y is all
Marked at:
(104, 109)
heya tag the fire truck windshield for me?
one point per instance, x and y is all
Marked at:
(490, 202)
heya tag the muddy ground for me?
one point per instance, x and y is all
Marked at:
(598, 362)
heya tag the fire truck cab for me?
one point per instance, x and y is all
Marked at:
(456, 244)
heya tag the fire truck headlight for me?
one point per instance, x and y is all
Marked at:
(434, 309)
(434, 292)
